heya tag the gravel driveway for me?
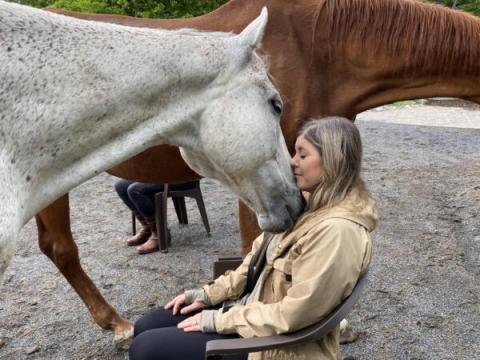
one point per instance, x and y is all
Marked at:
(423, 298)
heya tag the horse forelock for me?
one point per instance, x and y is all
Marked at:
(420, 34)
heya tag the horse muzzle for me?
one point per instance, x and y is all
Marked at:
(282, 213)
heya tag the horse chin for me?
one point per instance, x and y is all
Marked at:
(282, 216)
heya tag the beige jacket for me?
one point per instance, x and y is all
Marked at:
(313, 268)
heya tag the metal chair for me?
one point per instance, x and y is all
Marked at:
(190, 189)
(215, 349)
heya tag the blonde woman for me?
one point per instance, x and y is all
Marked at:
(306, 271)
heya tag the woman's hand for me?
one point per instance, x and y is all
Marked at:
(191, 324)
(179, 301)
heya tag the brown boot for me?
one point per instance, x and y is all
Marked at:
(152, 243)
(143, 234)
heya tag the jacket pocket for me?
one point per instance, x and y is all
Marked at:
(282, 277)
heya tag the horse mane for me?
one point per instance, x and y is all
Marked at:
(422, 35)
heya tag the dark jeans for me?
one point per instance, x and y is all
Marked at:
(157, 337)
(140, 196)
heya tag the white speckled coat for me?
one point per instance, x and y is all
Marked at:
(78, 97)
(312, 269)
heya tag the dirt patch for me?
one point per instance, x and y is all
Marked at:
(422, 301)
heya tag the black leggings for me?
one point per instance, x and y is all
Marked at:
(157, 337)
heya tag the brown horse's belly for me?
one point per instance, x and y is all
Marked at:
(160, 165)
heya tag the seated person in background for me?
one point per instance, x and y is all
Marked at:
(308, 270)
(139, 197)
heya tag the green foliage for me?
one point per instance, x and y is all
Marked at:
(89, 6)
(471, 6)
(166, 8)
(179, 8)
(140, 8)
(36, 3)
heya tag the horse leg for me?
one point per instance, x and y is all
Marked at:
(249, 229)
(56, 241)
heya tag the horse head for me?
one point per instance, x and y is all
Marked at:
(239, 140)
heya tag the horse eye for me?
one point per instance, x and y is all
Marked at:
(276, 106)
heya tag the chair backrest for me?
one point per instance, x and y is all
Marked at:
(216, 348)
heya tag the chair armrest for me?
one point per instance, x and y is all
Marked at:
(225, 263)
(244, 345)
(217, 348)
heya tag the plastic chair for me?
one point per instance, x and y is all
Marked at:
(190, 189)
(215, 349)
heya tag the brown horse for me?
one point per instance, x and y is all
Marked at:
(327, 57)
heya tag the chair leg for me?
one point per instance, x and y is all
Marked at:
(201, 208)
(180, 209)
(161, 221)
(134, 224)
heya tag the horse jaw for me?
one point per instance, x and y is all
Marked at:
(267, 190)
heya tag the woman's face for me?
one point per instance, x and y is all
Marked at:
(306, 165)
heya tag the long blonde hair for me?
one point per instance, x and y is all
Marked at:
(338, 142)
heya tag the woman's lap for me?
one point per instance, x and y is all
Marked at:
(159, 318)
(157, 337)
(171, 343)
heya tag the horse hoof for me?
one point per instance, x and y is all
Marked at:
(347, 333)
(123, 340)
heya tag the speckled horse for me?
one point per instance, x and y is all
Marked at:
(328, 57)
(78, 97)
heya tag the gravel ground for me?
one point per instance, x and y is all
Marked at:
(422, 301)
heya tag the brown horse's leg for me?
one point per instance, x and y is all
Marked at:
(249, 229)
(56, 241)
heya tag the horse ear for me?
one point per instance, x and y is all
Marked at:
(252, 35)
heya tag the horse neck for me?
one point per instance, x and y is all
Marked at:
(135, 88)
(138, 70)
(416, 60)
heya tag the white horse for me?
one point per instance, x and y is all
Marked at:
(79, 97)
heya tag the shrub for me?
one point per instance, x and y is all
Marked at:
(179, 8)
(36, 3)
(471, 6)
(139, 8)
